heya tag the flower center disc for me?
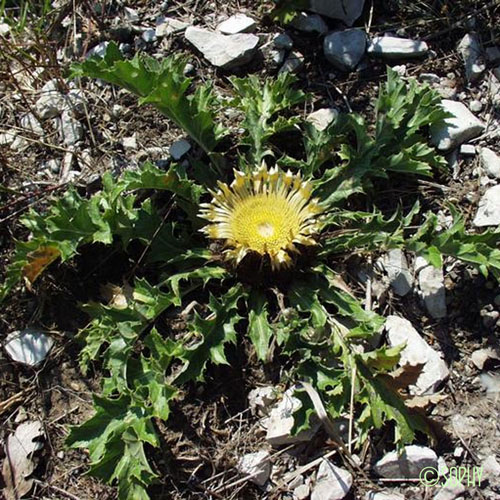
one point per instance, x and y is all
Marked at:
(265, 223)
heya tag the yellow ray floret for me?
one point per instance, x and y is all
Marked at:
(267, 212)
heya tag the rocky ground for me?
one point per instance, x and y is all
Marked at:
(231, 439)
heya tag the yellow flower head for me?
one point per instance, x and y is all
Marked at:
(267, 212)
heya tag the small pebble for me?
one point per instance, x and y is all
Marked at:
(476, 106)
(467, 150)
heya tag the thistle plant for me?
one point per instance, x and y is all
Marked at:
(262, 239)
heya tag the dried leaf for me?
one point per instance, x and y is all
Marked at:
(18, 464)
(422, 402)
(405, 376)
(38, 260)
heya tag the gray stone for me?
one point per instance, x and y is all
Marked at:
(239, 23)
(277, 57)
(223, 51)
(397, 270)
(149, 35)
(76, 102)
(70, 130)
(179, 148)
(470, 50)
(491, 468)
(257, 465)
(407, 465)
(51, 102)
(260, 399)
(189, 69)
(493, 55)
(391, 47)
(322, 118)
(431, 284)
(490, 162)
(169, 26)
(459, 128)
(344, 49)
(417, 352)
(309, 23)
(383, 495)
(283, 41)
(450, 491)
(346, 11)
(29, 346)
(31, 123)
(429, 78)
(488, 212)
(293, 63)
(280, 422)
(467, 150)
(332, 482)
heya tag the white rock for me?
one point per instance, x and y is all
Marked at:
(417, 351)
(169, 26)
(347, 12)
(301, 492)
(31, 123)
(4, 29)
(7, 138)
(467, 150)
(457, 129)
(99, 50)
(260, 398)
(383, 495)
(179, 148)
(149, 35)
(309, 23)
(70, 130)
(256, 464)
(344, 49)
(283, 41)
(131, 14)
(450, 491)
(470, 50)
(391, 47)
(397, 270)
(408, 465)
(130, 142)
(490, 162)
(322, 118)
(239, 23)
(54, 165)
(277, 57)
(293, 63)
(332, 482)
(491, 468)
(431, 284)
(481, 356)
(223, 51)
(490, 381)
(488, 212)
(280, 422)
(28, 346)
(476, 106)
